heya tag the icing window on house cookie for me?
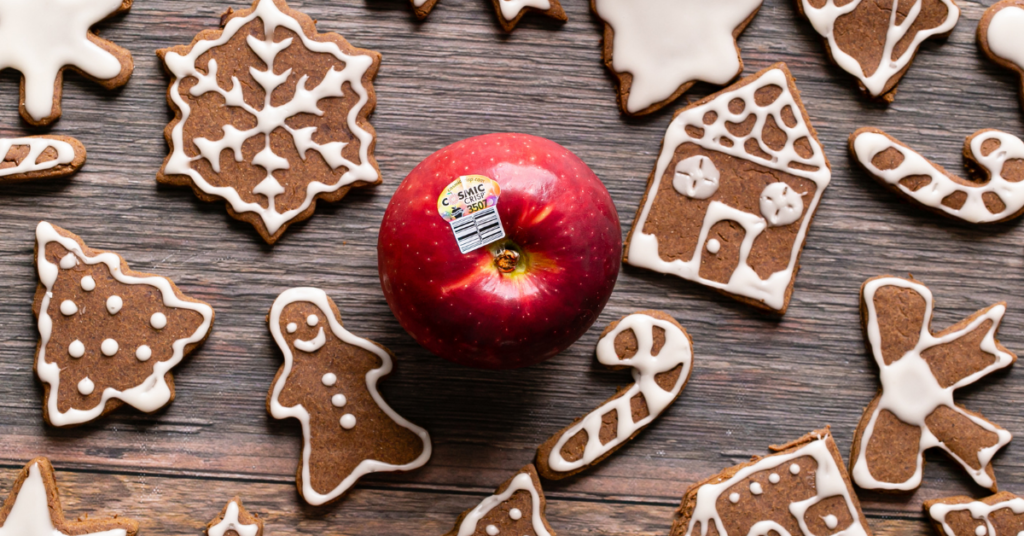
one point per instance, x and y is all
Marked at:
(760, 122)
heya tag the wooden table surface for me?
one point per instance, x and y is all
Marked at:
(756, 380)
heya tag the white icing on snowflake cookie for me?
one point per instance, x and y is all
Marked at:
(509, 11)
(329, 383)
(659, 48)
(39, 157)
(41, 38)
(275, 127)
(86, 343)
(999, 155)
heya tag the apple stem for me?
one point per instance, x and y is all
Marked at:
(506, 260)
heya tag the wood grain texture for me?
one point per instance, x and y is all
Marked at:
(756, 380)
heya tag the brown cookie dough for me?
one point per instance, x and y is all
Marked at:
(40, 157)
(802, 488)
(733, 193)
(509, 11)
(660, 354)
(517, 507)
(919, 371)
(1001, 514)
(235, 520)
(270, 123)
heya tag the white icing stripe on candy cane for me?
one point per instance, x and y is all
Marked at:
(151, 394)
(869, 144)
(522, 481)
(1005, 35)
(678, 350)
(911, 392)
(978, 510)
(231, 522)
(824, 19)
(36, 146)
(664, 44)
(31, 516)
(319, 298)
(270, 117)
(643, 248)
(828, 483)
(510, 9)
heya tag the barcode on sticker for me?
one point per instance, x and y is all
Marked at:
(478, 229)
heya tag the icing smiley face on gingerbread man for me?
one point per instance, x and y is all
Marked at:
(329, 383)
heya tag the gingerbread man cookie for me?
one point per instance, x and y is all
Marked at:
(270, 116)
(920, 371)
(801, 489)
(107, 335)
(34, 509)
(1001, 514)
(874, 42)
(509, 11)
(1001, 36)
(997, 156)
(40, 157)
(234, 520)
(660, 354)
(329, 383)
(658, 49)
(516, 508)
(41, 38)
(733, 193)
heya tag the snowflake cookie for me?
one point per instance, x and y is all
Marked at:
(1001, 514)
(734, 191)
(802, 489)
(658, 49)
(329, 383)
(270, 116)
(40, 157)
(919, 371)
(660, 354)
(509, 11)
(34, 509)
(41, 38)
(108, 335)
(234, 520)
(516, 508)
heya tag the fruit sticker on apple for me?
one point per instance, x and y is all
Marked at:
(469, 205)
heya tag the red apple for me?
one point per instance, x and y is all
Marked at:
(524, 298)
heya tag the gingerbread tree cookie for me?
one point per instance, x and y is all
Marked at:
(919, 371)
(1001, 36)
(509, 11)
(1001, 514)
(660, 355)
(658, 50)
(270, 116)
(516, 508)
(34, 509)
(997, 156)
(107, 335)
(874, 42)
(234, 520)
(733, 193)
(801, 489)
(41, 38)
(329, 383)
(40, 157)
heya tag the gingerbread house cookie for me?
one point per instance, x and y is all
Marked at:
(801, 489)
(734, 191)
(920, 371)
(517, 507)
(1001, 514)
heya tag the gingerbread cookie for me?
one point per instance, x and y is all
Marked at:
(1001, 514)
(40, 157)
(234, 520)
(41, 38)
(874, 43)
(997, 156)
(658, 49)
(329, 383)
(801, 489)
(919, 371)
(733, 193)
(270, 120)
(660, 354)
(1001, 36)
(509, 11)
(33, 509)
(107, 335)
(516, 508)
